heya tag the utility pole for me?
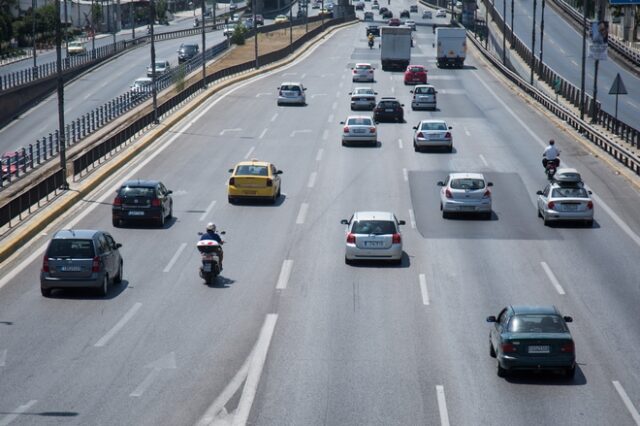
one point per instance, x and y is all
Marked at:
(132, 18)
(255, 29)
(533, 42)
(594, 110)
(66, 32)
(33, 32)
(584, 57)
(290, 27)
(541, 37)
(486, 26)
(62, 143)
(204, 59)
(154, 91)
(93, 31)
(512, 36)
(504, 32)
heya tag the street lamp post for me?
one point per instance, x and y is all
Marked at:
(255, 30)
(33, 32)
(504, 32)
(512, 36)
(154, 91)
(204, 60)
(584, 57)
(62, 145)
(541, 37)
(533, 42)
(594, 111)
(291, 27)
(132, 18)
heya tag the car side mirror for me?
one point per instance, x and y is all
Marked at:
(450, 127)
(169, 192)
(589, 192)
(433, 44)
(342, 122)
(344, 222)
(304, 88)
(489, 183)
(440, 183)
(410, 91)
(118, 245)
(375, 93)
(351, 93)
(415, 127)
(568, 319)
(402, 222)
(230, 170)
(200, 233)
(223, 232)
(491, 318)
(279, 172)
(538, 192)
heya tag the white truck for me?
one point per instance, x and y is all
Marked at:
(451, 46)
(395, 47)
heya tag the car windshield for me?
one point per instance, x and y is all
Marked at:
(537, 323)
(359, 121)
(160, 64)
(71, 248)
(433, 126)
(247, 170)
(424, 90)
(375, 227)
(137, 191)
(467, 183)
(188, 49)
(569, 193)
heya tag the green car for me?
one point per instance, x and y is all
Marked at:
(532, 338)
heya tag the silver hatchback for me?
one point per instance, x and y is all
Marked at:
(373, 235)
(424, 96)
(565, 202)
(292, 93)
(431, 134)
(465, 193)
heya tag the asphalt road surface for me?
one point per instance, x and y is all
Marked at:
(290, 335)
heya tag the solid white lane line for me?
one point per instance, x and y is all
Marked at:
(319, 155)
(285, 273)
(412, 219)
(442, 406)
(274, 117)
(255, 371)
(17, 412)
(175, 257)
(325, 134)
(3, 358)
(627, 402)
(302, 213)
(105, 339)
(264, 132)
(621, 223)
(250, 152)
(312, 180)
(552, 278)
(330, 118)
(484, 160)
(334, 105)
(400, 143)
(405, 174)
(423, 289)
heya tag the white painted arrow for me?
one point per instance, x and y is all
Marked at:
(295, 132)
(165, 363)
(229, 130)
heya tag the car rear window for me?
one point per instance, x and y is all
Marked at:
(537, 323)
(360, 121)
(467, 184)
(363, 67)
(425, 90)
(416, 69)
(433, 126)
(137, 191)
(388, 104)
(252, 171)
(569, 193)
(376, 227)
(71, 248)
(290, 88)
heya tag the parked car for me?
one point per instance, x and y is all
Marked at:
(373, 29)
(78, 258)
(427, 14)
(76, 48)
(441, 13)
(432, 134)
(254, 179)
(281, 19)
(413, 8)
(259, 19)
(465, 193)
(363, 98)
(405, 14)
(359, 129)
(565, 201)
(389, 108)
(187, 52)
(142, 86)
(373, 235)
(162, 67)
(415, 74)
(362, 72)
(12, 161)
(424, 97)
(142, 200)
(368, 16)
(292, 93)
(532, 338)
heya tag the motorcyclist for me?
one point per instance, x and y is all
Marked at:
(371, 39)
(211, 234)
(551, 153)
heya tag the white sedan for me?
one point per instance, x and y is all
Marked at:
(432, 133)
(373, 235)
(363, 98)
(465, 193)
(565, 202)
(359, 128)
(362, 72)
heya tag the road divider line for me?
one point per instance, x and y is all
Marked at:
(312, 180)
(204, 215)
(175, 257)
(400, 143)
(405, 174)
(285, 273)
(338, 94)
(627, 402)
(304, 74)
(319, 155)
(334, 105)
(264, 132)
(166, 362)
(552, 278)
(330, 118)
(17, 412)
(484, 160)
(412, 219)
(3, 357)
(255, 371)
(442, 405)
(249, 152)
(126, 318)
(325, 135)
(302, 213)
(274, 117)
(423, 289)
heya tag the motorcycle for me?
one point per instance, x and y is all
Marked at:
(371, 44)
(550, 168)
(211, 252)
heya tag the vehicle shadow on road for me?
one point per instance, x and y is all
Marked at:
(406, 263)
(573, 225)
(144, 225)
(437, 150)
(222, 282)
(363, 145)
(89, 293)
(261, 203)
(472, 216)
(552, 378)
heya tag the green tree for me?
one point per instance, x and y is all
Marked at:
(239, 34)
(96, 14)
(6, 27)
(161, 11)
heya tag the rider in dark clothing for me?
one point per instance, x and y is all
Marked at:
(211, 234)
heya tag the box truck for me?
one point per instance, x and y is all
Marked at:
(451, 47)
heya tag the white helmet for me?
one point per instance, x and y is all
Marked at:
(211, 227)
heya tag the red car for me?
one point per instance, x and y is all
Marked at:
(11, 161)
(415, 74)
(394, 22)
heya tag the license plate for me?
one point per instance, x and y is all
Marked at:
(373, 243)
(388, 110)
(70, 269)
(570, 207)
(135, 213)
(249, 192)
(467, 208)
(206, 267)
(359, 130)
(539, 349)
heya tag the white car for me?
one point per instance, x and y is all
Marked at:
(441, 13)
(427, 14)
(373, 235)
(432, 134)
(162, 67)
(363, 98)
(565, 201)
(359, 128)
(465, 193)
(363, 72)
(142, 86)
(76, 48)
(227, 30)
(291, 93)
(411, 24)
(424, 96)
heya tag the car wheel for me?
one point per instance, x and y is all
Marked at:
(501, 371)
(450, 149)
(487, 216)
(445, 215)
(492, 352)
(348, 261)
(118, 278)
(278, 194)
(116, 222)
(588, 223)
(170, 216)
(539, 214)
(46, 292)
(161, 220)
(232, 200)
(570, 372)
(546, 221)
(344, 143)
(104, 289)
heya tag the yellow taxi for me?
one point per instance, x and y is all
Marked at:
(254, 180)
(281, 19)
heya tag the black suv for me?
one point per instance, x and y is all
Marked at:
(389, 109)
(142, 200)
(186, 52)
(405, 14)
(387, 14)
(373, 29)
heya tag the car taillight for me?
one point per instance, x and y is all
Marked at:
(232, 181)
(590, 205)
(568, 348)
(45, 264)
(396, 239)
(509, 347)
(345, 129)
(447, 135)
(269, 182)
(447, 193)
(487, 194)
(355, 71)
(420, 135)
(372, 129)
(155, 202)
(117, 201)
(95, 265)
(551, 204)
(351, 238)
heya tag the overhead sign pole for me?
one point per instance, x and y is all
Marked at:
(617, 88)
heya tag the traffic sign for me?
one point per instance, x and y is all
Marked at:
(617, 88)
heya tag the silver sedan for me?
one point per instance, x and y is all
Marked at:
(373, 235)
(363, 98)
(565, 202)
(359, 128)
(432, 133)
(465, 193)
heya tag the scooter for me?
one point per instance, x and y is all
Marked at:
(210, 251)
(370, 44)
(550, 168)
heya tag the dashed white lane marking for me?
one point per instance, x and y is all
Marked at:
(552, 278)
(126, 318)
(204, 215)
(400, 143)
(249, 152)
(166, 362)
(304, 74)
(334, 105)
(405, 174)
(17, 412)
(262, 94)
(3, 358)
(229, 130)
(467, 132)
(325, 134)
(423, 289)
(393, 89)
(338, 94)
(175, 257)
(442, 406)
(318, 94)
(574, 62)
(264, 132)
(285, 273)
(302, 213)
(289, 73)
(341, 84)
(484, 160)
(312, 180)
(412, 219)
(295, 132)
(330, 118)
(274, 117)
(627, 402)
(255, 371)
(319, 155)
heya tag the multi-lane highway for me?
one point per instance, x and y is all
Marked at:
(293, 336)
